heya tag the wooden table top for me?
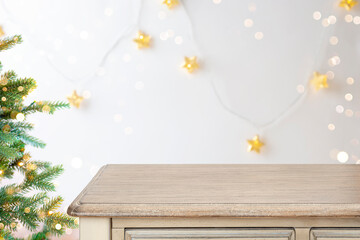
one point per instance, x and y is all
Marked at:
(221, 190)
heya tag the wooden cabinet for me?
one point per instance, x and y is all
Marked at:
(235, 202)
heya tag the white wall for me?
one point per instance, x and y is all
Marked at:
(166, 115)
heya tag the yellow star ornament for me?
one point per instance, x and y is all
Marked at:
(75, 100)
(319, 81)
(348, 4)
(171, 3)
(190, 64)
(142, 40)
(255, 144)
(2, 33)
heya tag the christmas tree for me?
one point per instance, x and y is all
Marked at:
(26, 202)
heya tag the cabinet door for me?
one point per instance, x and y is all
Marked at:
(335, 234)
(210, 233)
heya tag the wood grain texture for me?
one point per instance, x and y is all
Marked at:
(221, 190)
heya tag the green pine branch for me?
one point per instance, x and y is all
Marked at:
(18, 202)
(9, 42)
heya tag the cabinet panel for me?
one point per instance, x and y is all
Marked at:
(211, 233)
(335, 234)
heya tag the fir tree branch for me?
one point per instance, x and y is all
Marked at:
(9, 42)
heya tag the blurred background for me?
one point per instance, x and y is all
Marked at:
(256, 59)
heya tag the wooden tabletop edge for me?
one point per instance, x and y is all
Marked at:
(72, 209)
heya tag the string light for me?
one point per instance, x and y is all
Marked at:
(170, 3)
(342, 157)
(317, 15)
(319, 81)
(75, 100)
(331, 127)
(20, 117)
(58, 226)
(255, 144)
(348, 4)
(348, 18)
(350, 81)
(190, 64)
(348, 97)
(142, 40)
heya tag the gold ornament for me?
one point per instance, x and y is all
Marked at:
(3, 99)
(27, 210)
(20, 88)
(6, 128)
(31, 166)
(190, 64)
(319, 81)
(13, 225)
(171, 3)
(142, 40)
(20, 164)
(10, 190)
(50, 212)
(75, 100)
(13, 114)
(2, 226)
(348, 4)
(2, 33)
(41, 214)
(3, 80)
(26, 157)
(46, 108)
(255, 144)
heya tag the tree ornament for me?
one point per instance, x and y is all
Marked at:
(75, 100)
(142, 40)
(348, 4)
(46, 109)
(171, 3)
(255, 144)
(190, 64)
(6, 128)
(2, 33)
(27, 210)
(319, 81)
(3, 80)
(26, 157)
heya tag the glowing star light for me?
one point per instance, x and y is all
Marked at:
(190, 64)
(170, 3)
(142, 40)
(2, 33)
(348, 4)
(319, 81)
(75, 100)
(255, 144)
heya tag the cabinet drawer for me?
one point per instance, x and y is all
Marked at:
(211, 233)
(335, 234)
